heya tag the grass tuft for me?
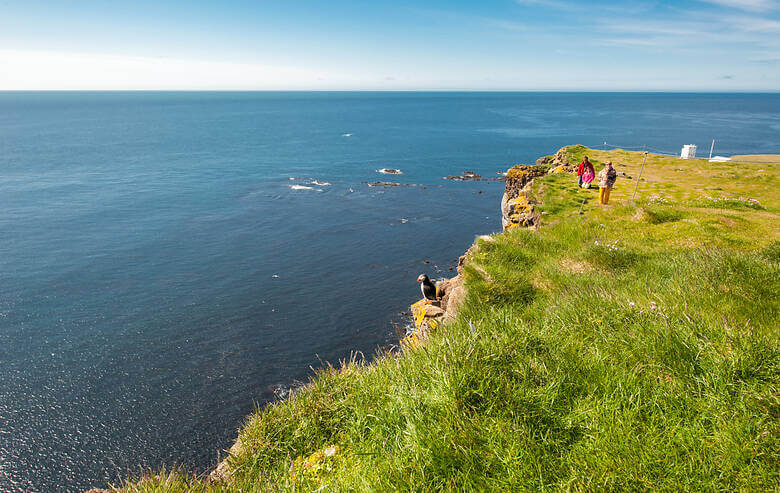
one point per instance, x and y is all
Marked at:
(655, 214)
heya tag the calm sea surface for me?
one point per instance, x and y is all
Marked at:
(161, 273)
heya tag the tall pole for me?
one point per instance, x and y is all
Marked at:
(638, 177)
(712, 147)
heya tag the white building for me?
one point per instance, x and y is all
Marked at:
(688, 151)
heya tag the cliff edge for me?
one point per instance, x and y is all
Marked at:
(587, 347)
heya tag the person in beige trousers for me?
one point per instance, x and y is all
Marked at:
(607, 178)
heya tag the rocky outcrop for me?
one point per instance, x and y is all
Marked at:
(519, 176)
(221, 473)
(558, 159)
(517, 209)
(429, 315)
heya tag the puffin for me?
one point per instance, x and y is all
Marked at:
(427, 287)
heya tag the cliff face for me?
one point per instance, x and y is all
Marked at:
(517, 210)
(428, 315)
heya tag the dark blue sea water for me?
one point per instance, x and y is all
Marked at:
(160, 277)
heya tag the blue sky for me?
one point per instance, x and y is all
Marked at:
(727, 45)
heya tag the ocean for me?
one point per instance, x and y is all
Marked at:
(169, 261)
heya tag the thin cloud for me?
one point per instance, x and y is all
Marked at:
(550, 4)
(646, 42)
(455, 16)
(627, 7)
(765, 58)
(692, 32)
(748, 5)
(506, 25)
(708, 28)
(756, 24)
(660, 28)
(42, 70)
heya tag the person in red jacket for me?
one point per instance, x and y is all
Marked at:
(583, 168)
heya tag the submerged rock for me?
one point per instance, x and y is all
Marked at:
(383, 184)
(390, 184)
(465, 176)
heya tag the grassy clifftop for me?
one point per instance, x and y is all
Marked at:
(629, 347)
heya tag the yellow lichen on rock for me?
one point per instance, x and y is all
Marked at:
(418, 312)
(520, 203)
(425, 315)
(520, 212)
(560, 159)
(515, 207)
(411, 341)
(557, 169)
(516, 172)
(314, 467)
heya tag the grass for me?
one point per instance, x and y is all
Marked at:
(627, 347)
(757, 158)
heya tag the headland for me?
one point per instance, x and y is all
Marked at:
(627, 346)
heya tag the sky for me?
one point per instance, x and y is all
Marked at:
(552, 45)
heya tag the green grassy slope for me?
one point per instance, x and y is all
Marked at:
(630, 347)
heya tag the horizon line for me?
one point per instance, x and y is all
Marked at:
(677, 91)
